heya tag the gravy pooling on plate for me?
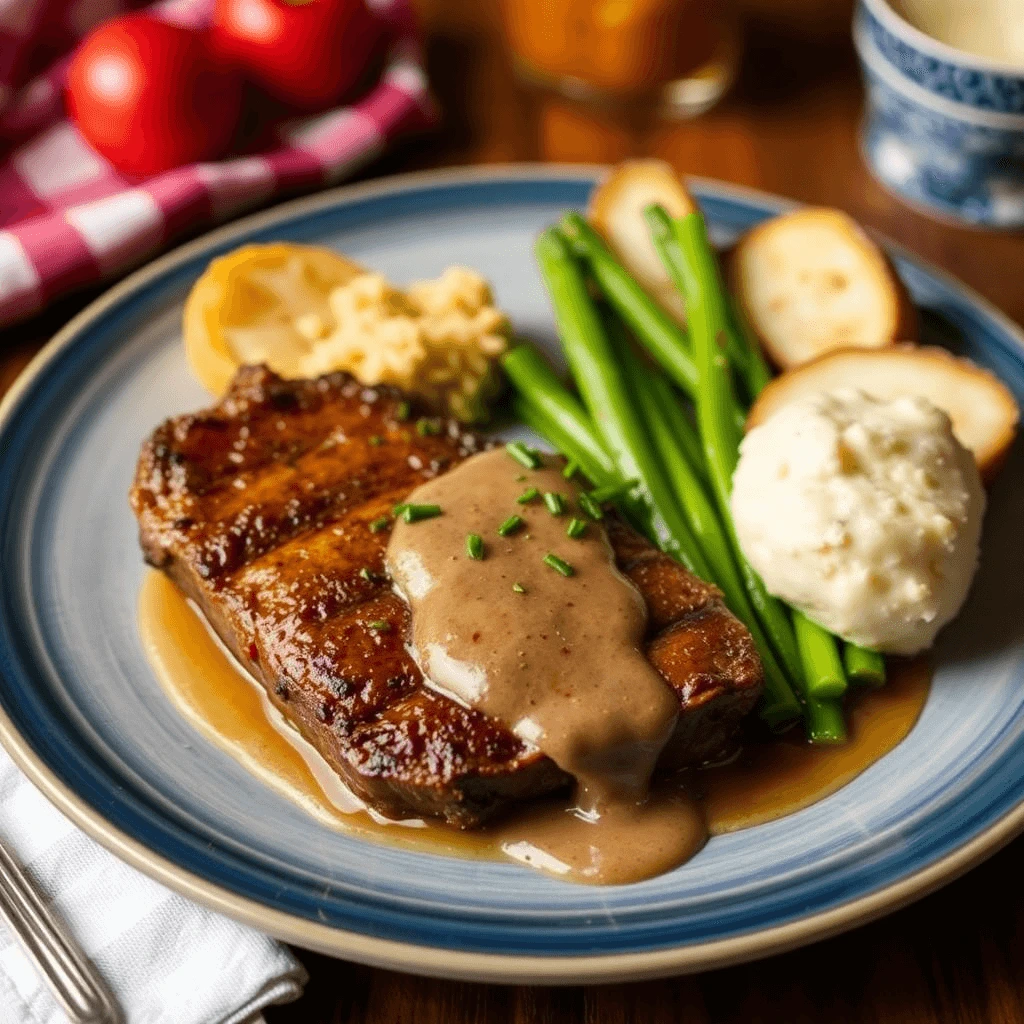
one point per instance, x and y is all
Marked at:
(230, 709)
(552, 650)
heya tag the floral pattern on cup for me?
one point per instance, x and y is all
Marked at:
(965, 82)
(968, 171)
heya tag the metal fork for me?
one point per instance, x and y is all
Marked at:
(74, 981)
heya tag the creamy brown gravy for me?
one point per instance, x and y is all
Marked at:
(228, 707)
(559, 660)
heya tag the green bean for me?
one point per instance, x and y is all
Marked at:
(741, 346)
(716, 407)
(652, 394)
(667, 247)
(662, 413)
(683, 429)
(824, 721)
(636, 308)
(533, 377)
(867, 668)
(704, 521)
(537, 419)
(758, 374)
(607, 399)
(823, 671)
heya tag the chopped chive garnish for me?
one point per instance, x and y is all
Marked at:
(376, 440)
(400, 508)
(519, 588)
(414, 513)
(570, 470)
(523, 455)
(528, 495)
(510, 525)
(402, 411)
(555, 503)
(576, 528)
(379, 625)
(590, 506)
(427, 428)
(380, 523)
(368, 575)
(559, 565)
(475, 546)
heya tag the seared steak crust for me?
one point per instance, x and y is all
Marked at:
(260, 509)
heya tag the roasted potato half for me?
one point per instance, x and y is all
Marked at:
(982, 409)
(812, 281)
(617, 211)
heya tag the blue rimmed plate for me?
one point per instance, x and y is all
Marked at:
(84, 716)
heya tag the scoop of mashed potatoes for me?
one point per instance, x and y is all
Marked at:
(866, 515)
(439, 339)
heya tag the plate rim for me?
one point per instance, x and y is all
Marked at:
(438, 961)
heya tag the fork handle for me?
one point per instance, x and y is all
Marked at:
(74, 981)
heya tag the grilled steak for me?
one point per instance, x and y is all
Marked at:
(262, 509)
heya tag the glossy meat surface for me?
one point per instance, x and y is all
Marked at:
(261, 508)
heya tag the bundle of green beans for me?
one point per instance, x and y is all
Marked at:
(686, 241)
(708, 315)
(631, 436)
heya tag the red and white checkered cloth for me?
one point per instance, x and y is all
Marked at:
(68, 218)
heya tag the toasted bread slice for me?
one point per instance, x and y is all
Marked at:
(812, 281)
(982, 409)
(617, 211)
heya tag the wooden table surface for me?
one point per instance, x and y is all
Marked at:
(788, 127)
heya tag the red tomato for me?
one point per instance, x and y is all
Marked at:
(150, 96)
(308, 54)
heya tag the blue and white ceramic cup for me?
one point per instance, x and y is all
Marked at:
(943, 129)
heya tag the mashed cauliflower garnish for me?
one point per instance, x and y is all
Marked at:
(439, 339)
(865, 515)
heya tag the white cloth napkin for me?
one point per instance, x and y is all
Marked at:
(166, 959)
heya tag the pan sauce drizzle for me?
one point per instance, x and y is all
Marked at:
(229, 708)
(560, 663)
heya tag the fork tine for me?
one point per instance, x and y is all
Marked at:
(75, 983)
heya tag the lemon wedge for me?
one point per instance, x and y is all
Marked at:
(261, 304)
